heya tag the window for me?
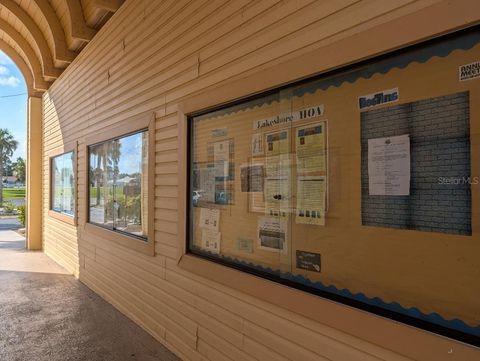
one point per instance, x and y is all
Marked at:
(63, 184)
(357, 186)
(118, 184)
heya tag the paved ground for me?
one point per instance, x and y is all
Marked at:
(9, 223)
(47, 315)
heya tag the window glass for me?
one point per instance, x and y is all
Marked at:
(63, 184)
(101, 184)
(357, 186)
(119, 184)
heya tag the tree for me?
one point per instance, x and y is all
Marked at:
(7, 146)
(19, 169)
(7, 168)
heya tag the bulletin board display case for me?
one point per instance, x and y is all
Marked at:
(359, 185)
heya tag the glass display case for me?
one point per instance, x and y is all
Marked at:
(360, 185)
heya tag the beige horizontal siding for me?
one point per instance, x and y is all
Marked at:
(145, 60)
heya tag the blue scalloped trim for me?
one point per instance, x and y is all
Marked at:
(401, 61)
(435, 318)
(421, 55)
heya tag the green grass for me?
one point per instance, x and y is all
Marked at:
(109, 191)
(9, 193)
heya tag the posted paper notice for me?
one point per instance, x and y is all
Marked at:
(221, 157)
(278, 143)
(311, 194)
(207, 184)
(211, 240)
(209, 219)
(277, 197)
(389, 166)
(278, 153)
(252, 177)
(272, 234)
(310, 147)
(257, 144)
(221, 151)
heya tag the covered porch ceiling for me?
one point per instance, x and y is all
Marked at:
(43, 37)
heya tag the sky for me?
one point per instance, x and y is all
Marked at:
(131, 148)
(13, 110)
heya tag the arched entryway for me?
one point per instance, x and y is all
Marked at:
(42, 38)
(33, 144)
(13, 115)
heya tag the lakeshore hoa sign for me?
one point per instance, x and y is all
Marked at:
(290, 117)
(378, 98)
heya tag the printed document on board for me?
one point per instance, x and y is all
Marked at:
(389, 166)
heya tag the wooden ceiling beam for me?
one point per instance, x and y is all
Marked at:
(35, 84)
(108, 5)
(23, 44)
(48, 66)
(40, 61)
(61, 51)
(78, 27)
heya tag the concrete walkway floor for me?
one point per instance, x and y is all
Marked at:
(9, 222)
(48, 315)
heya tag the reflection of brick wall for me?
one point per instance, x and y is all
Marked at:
(440, 152)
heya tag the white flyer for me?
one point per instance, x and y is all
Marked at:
(469, 71)
(311, 195)
(209, 219)
(221, 151)
(257, 144)
(211, 240)
(272, 233)
(207, 184)
(277, 197)
(389, 166)
(310, 148)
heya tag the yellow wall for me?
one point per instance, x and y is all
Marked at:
(171, 57)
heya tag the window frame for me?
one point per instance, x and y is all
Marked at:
(67, 148)
(119, 130)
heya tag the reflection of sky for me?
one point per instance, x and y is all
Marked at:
(63, 191)
(131, 154)
(64, 169)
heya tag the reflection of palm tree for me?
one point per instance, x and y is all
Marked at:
(96, 152)
(107, 157)
(7, 146)
(66, 177)
(113, 157)
(97, 171)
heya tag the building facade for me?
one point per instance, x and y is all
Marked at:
(165, 137)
